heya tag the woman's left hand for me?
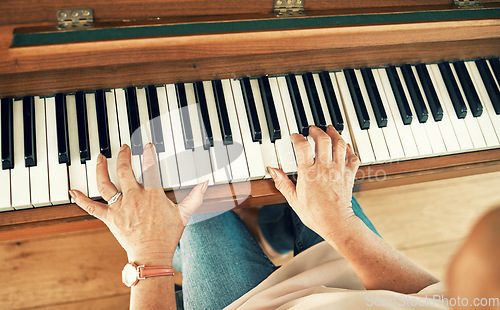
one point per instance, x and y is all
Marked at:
(145, 222)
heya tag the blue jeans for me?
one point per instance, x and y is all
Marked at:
(220, 260)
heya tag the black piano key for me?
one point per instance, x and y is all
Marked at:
(6, 113)
(134, 123)
(102, 123)
(415, 94)
(273, 124)
(206, 129)
(357, 99)
(468, 87)
(62, 130)
(29, 131)
(430, 92)
(298, 107)
(253, 119)
(375, 99)
(453, 91)
(220, 102)
(399, 95)
(495, 65)
(331, 101)
(154, 117)
(315, 104)
(83, 127)
(184, 114)
(489, 84)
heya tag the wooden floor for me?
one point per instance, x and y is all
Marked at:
(82, 270)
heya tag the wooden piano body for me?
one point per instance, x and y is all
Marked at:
(335, 35)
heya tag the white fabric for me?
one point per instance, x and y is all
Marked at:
(320, 278)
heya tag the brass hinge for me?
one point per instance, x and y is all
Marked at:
(289, 8)
(467, 4)
(75, 19)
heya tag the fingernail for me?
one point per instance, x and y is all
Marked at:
(149, 146)
(123, 147)
(100, 158)
(331, 127)
(271, 172)
(72, 194)
(205, 187)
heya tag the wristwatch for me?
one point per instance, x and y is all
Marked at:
(132, 273)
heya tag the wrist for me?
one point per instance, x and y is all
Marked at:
(151, 259)
(344, 233)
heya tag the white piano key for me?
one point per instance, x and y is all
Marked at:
(58, 173)
(5, 186)
(391, 134)
(470, 121)
(346, 132)
(418, 129)
(268, 150)
(218, 153)
(77, 171)
(235, 151)
(495, 78)
(284, 148)
(20, 174)
(185, 159)
(201, 156)
(488, 110)
(287, 105)
(390, 104)
(445, 127)
(143, 111)
(307, 109)
(448, 111)
(484, 120)
(253, 152)
(360, 137)
(114, 136)
(377, 138)
(124, 129)
(142, 104)
(436, 137)
(39, 174)
(167, 159)
(93, 146)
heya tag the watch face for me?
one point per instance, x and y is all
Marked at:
(129, 275)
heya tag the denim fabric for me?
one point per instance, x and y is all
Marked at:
(220, 260)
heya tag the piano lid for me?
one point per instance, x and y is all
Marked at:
(28, 12)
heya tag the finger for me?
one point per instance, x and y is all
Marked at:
(283, 184)
(339, 145)
(323, 145)
(303, 152)
(92, 207)
(352, 159)
(192, 202)
(124, 171)
(104, 185)
(150, 171)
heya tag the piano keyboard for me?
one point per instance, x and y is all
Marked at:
(230, 130)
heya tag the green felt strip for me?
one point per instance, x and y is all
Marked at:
(100, 34)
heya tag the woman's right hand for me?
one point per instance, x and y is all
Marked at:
(322, 196)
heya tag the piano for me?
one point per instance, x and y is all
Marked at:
(218, 89)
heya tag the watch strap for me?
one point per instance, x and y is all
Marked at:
(156, 271)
